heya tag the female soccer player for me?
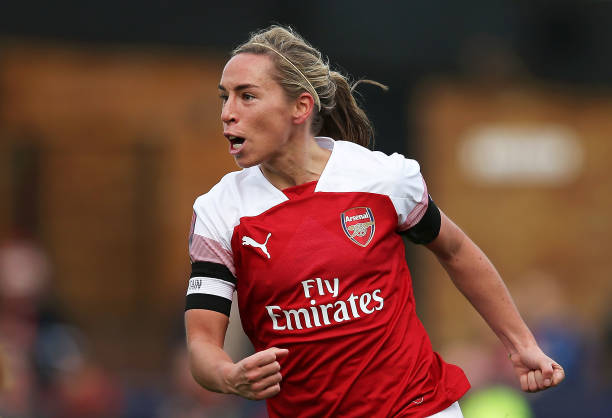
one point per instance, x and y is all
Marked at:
(307, 233)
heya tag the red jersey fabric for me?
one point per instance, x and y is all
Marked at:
(345, 312)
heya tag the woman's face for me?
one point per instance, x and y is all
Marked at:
(256, 113)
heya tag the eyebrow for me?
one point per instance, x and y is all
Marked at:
(239, 87)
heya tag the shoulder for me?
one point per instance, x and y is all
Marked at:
(356, 167)
(351, 150)
(395, 176)
(217, 211)
(237, 194)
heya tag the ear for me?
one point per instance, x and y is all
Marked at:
(304, 106)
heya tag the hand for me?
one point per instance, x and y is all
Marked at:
(258, 376)
(535, 370)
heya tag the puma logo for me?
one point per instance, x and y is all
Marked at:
(250, 241)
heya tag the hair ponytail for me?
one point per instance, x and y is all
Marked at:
(346, 120)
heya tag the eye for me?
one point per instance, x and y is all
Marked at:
(223, 97)
(248, 96)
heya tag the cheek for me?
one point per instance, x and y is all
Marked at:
(273, 122)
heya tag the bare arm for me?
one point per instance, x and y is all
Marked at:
(255, 377)
(474, 275)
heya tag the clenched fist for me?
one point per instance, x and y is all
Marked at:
(258, 376)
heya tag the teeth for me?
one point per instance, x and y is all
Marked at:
(236, 146)
(231, 137)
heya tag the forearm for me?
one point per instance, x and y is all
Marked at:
(209, 365)
(476, 277)
(205, 336)
(255, 377)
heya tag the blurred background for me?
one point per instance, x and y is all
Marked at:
(109, 129)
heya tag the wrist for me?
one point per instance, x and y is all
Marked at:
(519, 342)
(225, 383)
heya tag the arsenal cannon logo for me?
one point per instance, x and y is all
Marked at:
(358, 224)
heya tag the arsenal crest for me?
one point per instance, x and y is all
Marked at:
(358, 224)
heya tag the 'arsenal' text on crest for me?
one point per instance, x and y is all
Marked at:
(358, 225)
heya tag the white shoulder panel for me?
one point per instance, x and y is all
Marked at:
(238, 194)
(353, 168)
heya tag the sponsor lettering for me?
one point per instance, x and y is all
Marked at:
(318, 315)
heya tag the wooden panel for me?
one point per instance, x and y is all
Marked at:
(127, 141)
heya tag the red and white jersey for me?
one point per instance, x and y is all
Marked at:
(319, 269)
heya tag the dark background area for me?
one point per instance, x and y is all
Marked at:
(396, 43)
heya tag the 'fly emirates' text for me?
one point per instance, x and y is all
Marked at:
(325, 314)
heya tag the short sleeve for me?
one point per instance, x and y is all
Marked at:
(409, 194)
(212, 280)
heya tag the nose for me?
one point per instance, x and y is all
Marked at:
(228, 112)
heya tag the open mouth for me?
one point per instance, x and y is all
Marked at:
(236, 142)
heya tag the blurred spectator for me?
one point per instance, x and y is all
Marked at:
(44, 368)
(86, 391)
(24, 274)
(559, 330)
(185, 398)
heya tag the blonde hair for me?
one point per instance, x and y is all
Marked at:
(300, 67)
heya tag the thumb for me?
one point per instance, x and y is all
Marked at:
(283, 352)
(547, 372)
(558, 374)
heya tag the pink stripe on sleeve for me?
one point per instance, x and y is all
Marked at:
(417, 212)
(206, 249)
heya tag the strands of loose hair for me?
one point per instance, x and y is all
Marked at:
(312, 89)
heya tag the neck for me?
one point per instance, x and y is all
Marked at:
(303, 161)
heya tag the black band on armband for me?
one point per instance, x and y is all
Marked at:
(208, 269)
(208, 302)
(428, 228)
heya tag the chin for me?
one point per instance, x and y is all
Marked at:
(244, 162)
